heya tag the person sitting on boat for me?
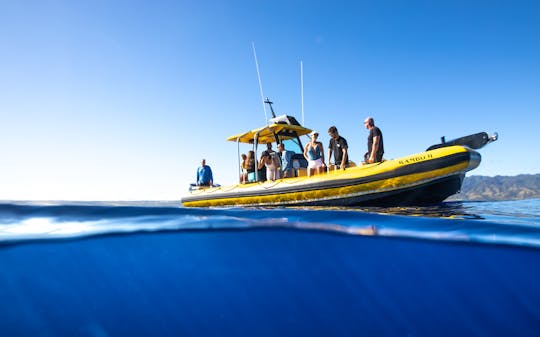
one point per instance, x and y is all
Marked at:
(375, 142)
(250, 166)
(269, 160)
(243, 167)
(314, 154)
(261, 169)
(338, 146)
(287, 170)
(204, 175)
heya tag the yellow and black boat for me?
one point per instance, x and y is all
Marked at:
(422, 178)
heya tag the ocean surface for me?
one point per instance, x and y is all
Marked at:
(157, 269)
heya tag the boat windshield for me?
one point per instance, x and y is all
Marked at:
(293, 145)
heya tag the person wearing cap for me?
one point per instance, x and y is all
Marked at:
(338, 146)
(375, 142)
(314, 154)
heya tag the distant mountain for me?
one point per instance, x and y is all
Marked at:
(482, 188)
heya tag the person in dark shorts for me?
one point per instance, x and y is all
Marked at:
(338, 146)
(375, 142)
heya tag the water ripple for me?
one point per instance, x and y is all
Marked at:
(510, 223)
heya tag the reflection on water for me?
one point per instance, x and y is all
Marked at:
(448, 210)
(454, 210)
(496, 210)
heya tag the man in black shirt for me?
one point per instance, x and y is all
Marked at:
(375, 142)
(338, 146)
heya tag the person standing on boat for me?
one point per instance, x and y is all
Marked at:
(314, 154)
(275, 157)
(244, 167)
(269, 148)
(338, 146)
(269, 159)
(204, 175)
(287, 169)
(375, 142)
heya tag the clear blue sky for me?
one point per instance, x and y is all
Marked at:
(119, 100)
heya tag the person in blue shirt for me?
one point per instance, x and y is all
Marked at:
(204, 175)
(286, 161)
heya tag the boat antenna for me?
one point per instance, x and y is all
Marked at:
(302, 88)
(260, 84)
(267, 101)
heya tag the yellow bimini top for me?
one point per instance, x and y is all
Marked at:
(279, 128)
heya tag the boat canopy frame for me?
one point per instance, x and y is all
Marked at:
(271, 133)
(280, 130)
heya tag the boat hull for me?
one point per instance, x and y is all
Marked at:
(423, 194)
(419, 179)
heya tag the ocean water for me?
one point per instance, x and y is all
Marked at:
(157, 269)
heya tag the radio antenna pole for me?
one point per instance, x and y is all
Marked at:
(302, 88)
(260, 84)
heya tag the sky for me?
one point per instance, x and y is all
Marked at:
(120, 100)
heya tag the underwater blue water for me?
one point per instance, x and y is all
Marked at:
(156, 269)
